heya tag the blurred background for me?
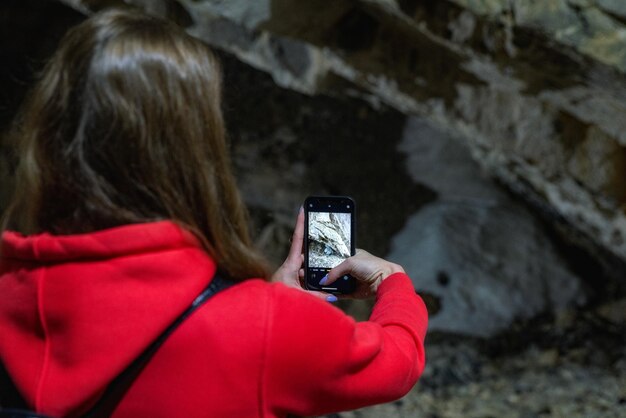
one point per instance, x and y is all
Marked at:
(484, 142)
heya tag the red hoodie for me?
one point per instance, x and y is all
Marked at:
(76, 310)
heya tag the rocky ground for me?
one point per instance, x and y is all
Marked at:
(573, 365)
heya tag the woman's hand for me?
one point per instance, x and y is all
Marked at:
(290, 273)
(369, 271)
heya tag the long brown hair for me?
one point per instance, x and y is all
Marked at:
(125, 126)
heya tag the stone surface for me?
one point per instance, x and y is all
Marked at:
(287, 145)
(594, 28)
(573, 369)
(475, 249)
(535, 89)
(614, 311)
(330, 238)
(572, 365)
(525, 84)
(489, 264)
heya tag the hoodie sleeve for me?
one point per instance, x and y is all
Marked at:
(319, 360)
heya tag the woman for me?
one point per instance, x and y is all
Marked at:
(125, 206)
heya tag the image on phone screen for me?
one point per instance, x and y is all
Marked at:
(329, 240)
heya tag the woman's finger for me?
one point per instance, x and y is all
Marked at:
(345, 267)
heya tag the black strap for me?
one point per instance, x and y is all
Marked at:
(9, 394)
(118, 387)
(116, 390)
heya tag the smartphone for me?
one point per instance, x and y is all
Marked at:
(329, 238)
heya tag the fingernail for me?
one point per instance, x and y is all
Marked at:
(331, 298)
(301, 209)
(324, 280)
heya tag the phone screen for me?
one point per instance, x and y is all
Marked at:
(329, 240)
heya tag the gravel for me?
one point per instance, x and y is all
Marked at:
(569, 365)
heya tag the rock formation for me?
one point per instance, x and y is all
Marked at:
(435, 106)
(534, 89)
(330, 238)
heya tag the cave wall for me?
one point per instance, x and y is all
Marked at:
(535, 89)
(423, 111)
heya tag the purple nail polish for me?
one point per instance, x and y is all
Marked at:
(331, 298)
(324, 280)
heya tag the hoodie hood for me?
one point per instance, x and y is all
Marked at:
(76, 310)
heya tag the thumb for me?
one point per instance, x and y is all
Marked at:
(295, 251)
